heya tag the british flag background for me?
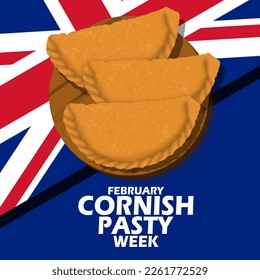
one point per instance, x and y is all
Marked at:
(41, 180)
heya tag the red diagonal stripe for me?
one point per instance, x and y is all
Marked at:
(187, 9)
(25, 93)
(10, 58)
(228, 32)
(30, 172)
(83, 15)
(95, 11)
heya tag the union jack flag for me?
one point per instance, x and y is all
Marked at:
(25, 72)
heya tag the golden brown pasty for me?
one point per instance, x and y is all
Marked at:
(131, 135)
(147, 37)
(143, 80)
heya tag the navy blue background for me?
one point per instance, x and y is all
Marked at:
(25, 16)
(222, 173)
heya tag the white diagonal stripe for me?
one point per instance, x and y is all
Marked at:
(118, 8)
(31, 41)
(235, 22)
(59, 15)
(40, 125)
(42, 171)
(28, 41)
(206, 18)
(21, 66)
(228, 48)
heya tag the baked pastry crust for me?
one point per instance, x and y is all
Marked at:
(144, 80)
(145, 37)
(131, 135)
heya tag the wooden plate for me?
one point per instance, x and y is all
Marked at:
(63, 92)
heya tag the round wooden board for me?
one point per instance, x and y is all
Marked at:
(63, 92)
